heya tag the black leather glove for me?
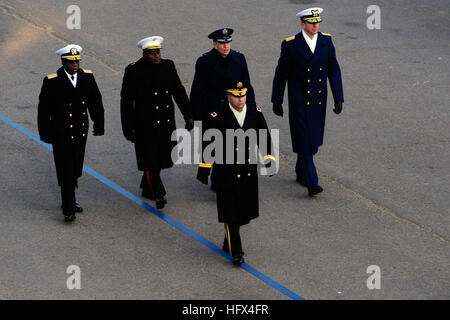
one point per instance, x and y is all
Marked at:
(268, 165)
(338, 107)
(130, 136)
(278, 109)
(99, 132)
(189, 124)
(202, 174)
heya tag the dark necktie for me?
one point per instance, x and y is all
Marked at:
(73, 78)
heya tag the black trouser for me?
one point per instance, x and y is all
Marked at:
(213, 178)
(306, 169)
(151, 182)
(68, 198)
(232, 239)
(66, 163)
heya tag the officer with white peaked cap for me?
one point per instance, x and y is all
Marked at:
(148, 114)
(306, 61)
(65, 99)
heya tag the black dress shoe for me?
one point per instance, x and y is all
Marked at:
(148, 194)
(69, 217)
(160, 203)
(78, 208)
(314, 190)
(301, 181)
(238, 260)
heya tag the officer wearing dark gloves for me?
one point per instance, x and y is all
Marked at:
(64, 102)
(237, 182)
(306, 61)
(213, 71)
(148, 114)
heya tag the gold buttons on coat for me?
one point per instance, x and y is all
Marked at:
(167, 106)
(156, 93)
(320, 69)
(168, 120)
(70, 104)
(157, 121)
(84, 135)
(309, 81)
(71, 125)
(238, 176)
(308, 92)
(82, 102)
(167, 91)
(320, 102)
(320, 80)
(308, 103)
(71, 137)
(249, 174)
(84, 113)
(237, 149)
(70, 115)
(320, 91)
(83, 124)
(309, 69)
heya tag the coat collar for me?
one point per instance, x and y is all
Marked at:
(303, 48)
(62, 74)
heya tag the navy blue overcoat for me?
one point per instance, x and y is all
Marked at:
(212, 75)
(306, 74)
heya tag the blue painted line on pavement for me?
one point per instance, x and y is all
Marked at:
(161, 215)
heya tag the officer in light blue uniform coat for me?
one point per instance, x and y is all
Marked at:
(306, 61)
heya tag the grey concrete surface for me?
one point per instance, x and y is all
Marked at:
(384, 165)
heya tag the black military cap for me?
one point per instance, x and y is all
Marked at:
(222, 35)
(237, 88)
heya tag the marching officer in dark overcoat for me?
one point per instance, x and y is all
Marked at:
(213, 71)
(306, 61)
(237, 182)
(64, 102)
(148, 114)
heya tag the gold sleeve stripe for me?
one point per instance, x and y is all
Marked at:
(205, 165)
(326, 34)
(53, 75)
(269, 157)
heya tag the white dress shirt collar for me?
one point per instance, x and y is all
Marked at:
(74, 81)
(240, 116)
(311, 42)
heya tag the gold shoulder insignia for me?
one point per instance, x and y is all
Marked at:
(289, 39)
(87, 71)
(51, 76)
(259, 109)
(213, 114)
(326, 34)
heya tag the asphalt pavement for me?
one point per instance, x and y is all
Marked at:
(384, 165)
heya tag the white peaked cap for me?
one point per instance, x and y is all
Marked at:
(70, 52)
(153, 42)
(310, 15)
